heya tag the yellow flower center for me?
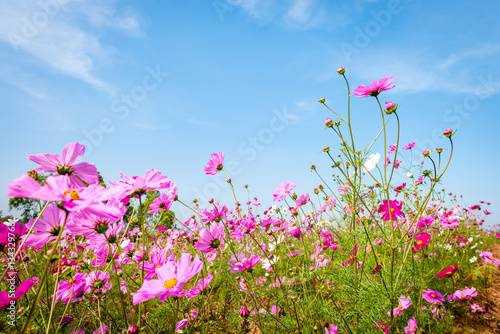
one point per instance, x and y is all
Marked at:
(462, 296)
(400, 306)
(158, 265)
(71, 281)
(392, 210)
(73, 193)
(170, 283)
(433, 295)
(419, 242)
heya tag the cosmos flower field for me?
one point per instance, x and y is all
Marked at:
(358, 254)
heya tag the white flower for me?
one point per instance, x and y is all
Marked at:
(447, 247)
(371, 162)
(473, 259)
(410, 175)
(11, 222)
(474, 246)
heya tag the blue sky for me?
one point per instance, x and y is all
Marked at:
(163, 84)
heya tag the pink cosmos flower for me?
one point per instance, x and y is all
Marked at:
(283, 190)
(98, 281)
(330, 329)
(65, 165)
(392, 148)
(354, 252)
(464, 294)
(487, 257)
(412, 326)
(476, 307)
(171, 278)
(409, 146)
(383, 327)
(375, 88)
(302, 200)
(103, 329)
(404, 303)
(202, 285)
(73, 289)
(391, 210)
(210, 240)
(88, 223)
(138, 185)
(421, 241)
(216, 214)
(47, 228)
(449, 271)
(74, 198)
(433, 296)
(181, 324)
(215, 164)
(21, 290)
(241, 263)
(400, 188)
(164, 202)
(157, 259)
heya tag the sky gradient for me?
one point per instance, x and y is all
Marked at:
(163, 84)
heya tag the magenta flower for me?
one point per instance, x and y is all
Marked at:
(214, 215)
(163, 202)
(73, 289)
(98, 281)
(412, 326)
(215, 164)
(181, 324)
(283, 190)
(409, 146)
(421, 241)
(47, 228)
(65, 165)
(375, 88)
(171, 278)
(330, 329)
(21, 290)
(88, 223)
(392, 148)
(449, 271)
(433, 296)
(354, 252)
(241, 263)
(391, 210)
(210, 240)
(487, 257)
(202, 285)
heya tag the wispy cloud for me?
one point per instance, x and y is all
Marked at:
(202, 123)
(296, 14)
(416, 70)
(62, 35)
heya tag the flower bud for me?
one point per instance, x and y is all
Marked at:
(341, 70)
(294, 196)
(426, 153)
(228, 180)
(321, 187)
(337, 123)
(328, 122)
(313, 167)
(133, 329)
(244, 313)
(321, 100)
(448, 133)
(439, 150)
(316, 191)
(390, 107)
(326, 149)
(211, 200)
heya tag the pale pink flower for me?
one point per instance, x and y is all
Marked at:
(65, 165)
(215, 164)
(283, 190)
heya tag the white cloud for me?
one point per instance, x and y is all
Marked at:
(60, 33)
